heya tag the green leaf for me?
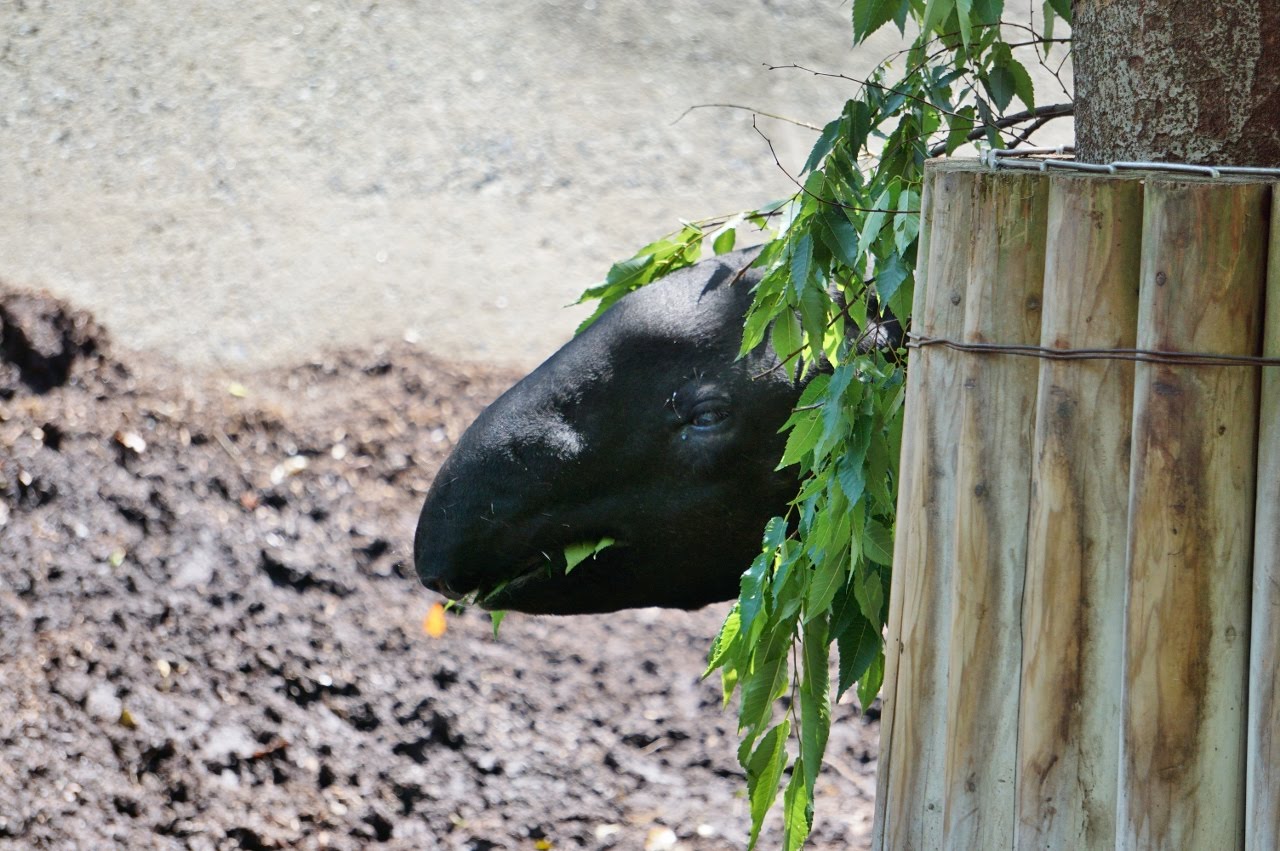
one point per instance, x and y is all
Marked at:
(575, 554)
(803, 437)
(1063, 8)
(935, 13)
(497, 616)
(1001, 85)
(815, 699)
(859, 645)
(823, 587)
(726, 641)
(986, 12)
(838, 233)
(751, 590)
(962, 20)
(802, 264)
(787, 341)
(764, 770)
(724, 240)
(871, 15)
(871, 680)
(889, 276)
(797, 811)
(874, 221)
(764, 684)
(878, 543)
(822, 147)
(869, 591)
(1022, 85)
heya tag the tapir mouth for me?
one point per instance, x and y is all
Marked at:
(544, 564)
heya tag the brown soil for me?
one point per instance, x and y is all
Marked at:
(210, 635)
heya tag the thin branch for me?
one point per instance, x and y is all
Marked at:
(750, 109)
(879, 86)
(1030, 131)
(1041, 115)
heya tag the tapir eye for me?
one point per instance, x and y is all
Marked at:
(707, 416)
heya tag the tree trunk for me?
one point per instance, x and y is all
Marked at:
(1177, 81)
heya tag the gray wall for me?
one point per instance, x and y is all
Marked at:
(237, 184)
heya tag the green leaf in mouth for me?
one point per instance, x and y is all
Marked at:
(575, 554)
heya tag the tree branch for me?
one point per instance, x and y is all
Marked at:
(750, 109)
(1041, 115)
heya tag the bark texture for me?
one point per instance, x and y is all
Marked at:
(1178, 81)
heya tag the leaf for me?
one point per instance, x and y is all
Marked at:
(1022, 85)
(802, 264)
(859, 645)
(815, 699)
(497, 616)
(986, 12)
(869, 592)
(787, 341)
(726, 641)
(724, 241)
(878, 543)
(764, 770)
(838, 233)
(874, 221)
(889, 276)
(935, 13)
(826, 581)
(822, 147)
(1063, 8)
(751, 590)
(851, 476)
(1001, 85)
(803, 437)
(871, 680)
(764, 685)
(575, 554)
(963, 20)
(797, 811)
(871, 15)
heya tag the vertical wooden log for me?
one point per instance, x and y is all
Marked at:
(906, 484)
(1191, 512)
(1073, 607)
(1262, 810)
(909, 799)
(993, 481)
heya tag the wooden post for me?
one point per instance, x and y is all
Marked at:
(1068, 663)
(1262, 810)
(1191, 512)
(910, 794)
(993, 481)
(1073, 608)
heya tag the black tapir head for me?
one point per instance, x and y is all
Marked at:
(647, 429)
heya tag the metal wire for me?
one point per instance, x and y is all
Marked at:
(1038, 159)
(916, 341)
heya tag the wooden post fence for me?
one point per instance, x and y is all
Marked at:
(1084, 629)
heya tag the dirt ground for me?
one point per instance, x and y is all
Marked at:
(211, 637)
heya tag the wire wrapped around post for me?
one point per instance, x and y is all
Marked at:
(1068, 634)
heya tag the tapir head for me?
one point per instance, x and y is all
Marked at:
(647, 429)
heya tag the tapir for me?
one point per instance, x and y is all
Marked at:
(648, 430)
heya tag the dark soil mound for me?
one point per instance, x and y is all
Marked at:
(210, 635)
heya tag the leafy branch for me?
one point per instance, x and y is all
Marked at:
(846, 241)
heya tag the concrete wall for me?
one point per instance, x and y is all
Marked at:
(236, 184)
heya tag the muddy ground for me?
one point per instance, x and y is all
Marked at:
(211, 637)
